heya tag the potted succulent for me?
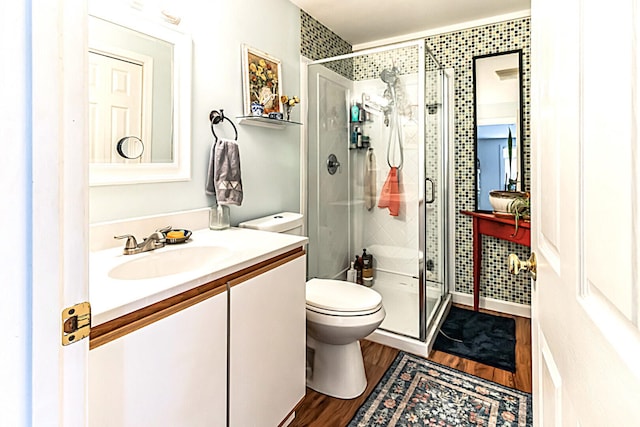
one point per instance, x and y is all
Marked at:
(510, 183)
(288, 102)
(501, 199)
(520, 208)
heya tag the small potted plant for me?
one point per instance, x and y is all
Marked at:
(510, 183)
(501, 199)
(288, 103)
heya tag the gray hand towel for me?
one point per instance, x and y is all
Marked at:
(223, 176)
(210, 187)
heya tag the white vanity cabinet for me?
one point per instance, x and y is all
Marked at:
(166, 364)
(267, 345)
(171, 372)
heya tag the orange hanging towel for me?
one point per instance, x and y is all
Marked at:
(390, 194)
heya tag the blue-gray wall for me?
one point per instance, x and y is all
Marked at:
(270, 158)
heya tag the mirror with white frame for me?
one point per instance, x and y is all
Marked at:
(139, 89)
(497, 82)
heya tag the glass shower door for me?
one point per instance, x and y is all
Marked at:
(435, 197)
(328, 187)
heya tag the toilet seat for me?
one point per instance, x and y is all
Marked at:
(340, 298)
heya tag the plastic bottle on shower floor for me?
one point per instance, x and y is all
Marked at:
(358, 267)
(367, 268)
(352, 274)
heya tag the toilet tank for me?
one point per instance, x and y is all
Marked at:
(284, 222)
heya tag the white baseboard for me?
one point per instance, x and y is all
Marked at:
(516, 309)
(401, 342)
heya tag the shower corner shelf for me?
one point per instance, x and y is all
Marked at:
(265, 122)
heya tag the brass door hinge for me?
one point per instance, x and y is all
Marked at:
(76, 323)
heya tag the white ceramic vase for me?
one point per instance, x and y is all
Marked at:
(500, 200)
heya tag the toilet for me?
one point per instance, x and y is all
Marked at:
(339, 314)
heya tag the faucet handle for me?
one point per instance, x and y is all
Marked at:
(158, 236)
(131, 241)
(164, 229)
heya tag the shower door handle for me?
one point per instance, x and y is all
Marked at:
(433, 191)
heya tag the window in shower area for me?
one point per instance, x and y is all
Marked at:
(387, 197)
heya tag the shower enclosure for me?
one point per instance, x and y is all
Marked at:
(376, 179)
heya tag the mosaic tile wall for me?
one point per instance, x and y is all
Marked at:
(369, 67)
(319, 42)
(456, 50)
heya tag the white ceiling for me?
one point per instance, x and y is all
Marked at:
(363, 21)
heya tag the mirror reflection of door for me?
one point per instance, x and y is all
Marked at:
(497, 85)
(131, 92)
(115, 105)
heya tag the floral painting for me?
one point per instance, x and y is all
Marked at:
(261, 81)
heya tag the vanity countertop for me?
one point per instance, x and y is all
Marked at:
(111, 298)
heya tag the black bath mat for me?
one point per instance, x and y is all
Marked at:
(486, 339)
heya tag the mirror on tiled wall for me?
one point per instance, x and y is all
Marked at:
(499, 160)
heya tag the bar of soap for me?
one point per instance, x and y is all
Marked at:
(175, 234)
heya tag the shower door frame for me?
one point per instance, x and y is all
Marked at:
(445, 182)
(443, 178)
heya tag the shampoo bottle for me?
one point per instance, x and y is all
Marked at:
(352, 275)
(355, 112)
(354, 137)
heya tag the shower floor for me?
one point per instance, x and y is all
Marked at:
(400, 299)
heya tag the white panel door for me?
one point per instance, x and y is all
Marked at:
(56, 236)
(586, 212)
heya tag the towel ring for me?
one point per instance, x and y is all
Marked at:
(217, 117)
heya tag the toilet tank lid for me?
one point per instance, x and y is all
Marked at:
(338, 295)
(283, 221)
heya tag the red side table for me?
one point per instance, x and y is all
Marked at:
(499, 227)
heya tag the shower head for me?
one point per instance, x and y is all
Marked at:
(389, 76)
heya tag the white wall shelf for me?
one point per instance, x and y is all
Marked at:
(265, 122)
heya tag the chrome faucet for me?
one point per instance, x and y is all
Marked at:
(154, 241)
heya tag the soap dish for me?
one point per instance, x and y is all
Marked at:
(173, 241)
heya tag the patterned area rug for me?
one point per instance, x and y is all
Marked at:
(417, 392)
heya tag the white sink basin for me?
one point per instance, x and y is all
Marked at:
(165, 263)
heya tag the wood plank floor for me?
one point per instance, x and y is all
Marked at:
(318, 410)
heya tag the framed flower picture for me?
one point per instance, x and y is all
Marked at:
(261, 80)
